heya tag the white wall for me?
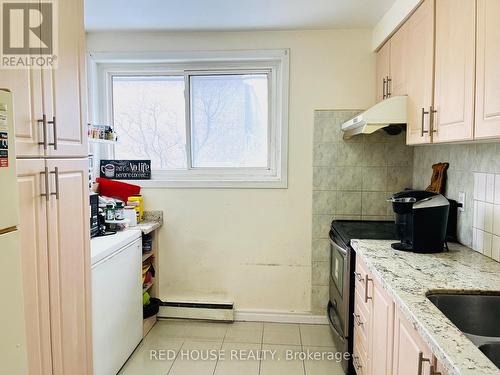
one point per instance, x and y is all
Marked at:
(253, 247)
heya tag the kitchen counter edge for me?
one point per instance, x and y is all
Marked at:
(409, 277)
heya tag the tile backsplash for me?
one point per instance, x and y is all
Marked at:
(351, 180)
(486, 211)
(473, 169)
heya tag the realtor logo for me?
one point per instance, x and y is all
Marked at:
(29, 33)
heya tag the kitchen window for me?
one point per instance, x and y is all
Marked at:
(210, 120)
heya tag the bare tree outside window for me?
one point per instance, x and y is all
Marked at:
(228, 117)
(149, 117)
(229, 120)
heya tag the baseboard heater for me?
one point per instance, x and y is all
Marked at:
(197, 310)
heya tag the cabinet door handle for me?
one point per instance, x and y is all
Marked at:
(421, 360)
(43, 122)
(432, 118)
(422, 130)
(45, 175)
(384, 89)
(358, 276)
(355, 362)
(389, 87)
(56, 177)
(357, 319)
(54, 128)
(367, 297)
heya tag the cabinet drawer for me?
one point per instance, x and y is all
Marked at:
(361, 320)
(360, 355)
(360, 274)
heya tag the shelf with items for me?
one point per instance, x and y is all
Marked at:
(147, 255)
(121, 221)
(104, 141)
(149, 258)
(101, 134)
(147, 286)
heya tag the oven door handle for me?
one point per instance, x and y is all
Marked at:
(338, 248)
(332, 323)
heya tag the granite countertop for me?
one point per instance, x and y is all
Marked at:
(408, 277)
(152, 221)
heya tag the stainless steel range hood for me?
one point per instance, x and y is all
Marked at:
(390, 111)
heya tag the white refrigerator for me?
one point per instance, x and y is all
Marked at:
(13, 353)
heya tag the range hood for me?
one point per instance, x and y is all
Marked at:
(388, 112)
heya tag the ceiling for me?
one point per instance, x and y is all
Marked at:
(219, 15)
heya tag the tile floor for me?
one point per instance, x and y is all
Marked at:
(173, 347)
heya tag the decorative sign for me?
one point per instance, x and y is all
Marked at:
(4, 149)
(126, 169)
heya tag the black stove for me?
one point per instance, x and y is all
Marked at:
(364, 230)
(343, 258)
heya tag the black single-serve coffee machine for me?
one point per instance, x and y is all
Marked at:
(421, 221)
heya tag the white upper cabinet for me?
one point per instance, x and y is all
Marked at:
(65, 86)
(420, 73)
(454, 70)
(383, 71)
(50, 104)
(391, 66)
(399, 53)
(488, 70)
(26, 87)
(452, 75)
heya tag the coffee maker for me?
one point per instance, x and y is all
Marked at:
(421, 221)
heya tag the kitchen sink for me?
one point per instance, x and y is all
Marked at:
(492, 351)
(473, 314)
(477, 316)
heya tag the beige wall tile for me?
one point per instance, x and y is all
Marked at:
(320, 273)
(325, 154)
(349, 178)
(374, 203)
(374, 155)
(374, 178)
(399, 178)
(324, 178)
(350, 154)
(399, 155)
(324, 201)
(321, 226)
(326, 129)
(349, 203)
(321, 250)
(319, 299)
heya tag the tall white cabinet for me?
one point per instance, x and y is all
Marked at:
(52, 175)
(50, 104)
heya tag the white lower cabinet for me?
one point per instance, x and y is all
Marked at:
(116, 280)
(55, 254)
(385, 343)
(382, 331)
(411, 355)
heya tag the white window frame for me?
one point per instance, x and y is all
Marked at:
(275, 63)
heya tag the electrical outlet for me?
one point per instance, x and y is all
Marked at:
(461, 201)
